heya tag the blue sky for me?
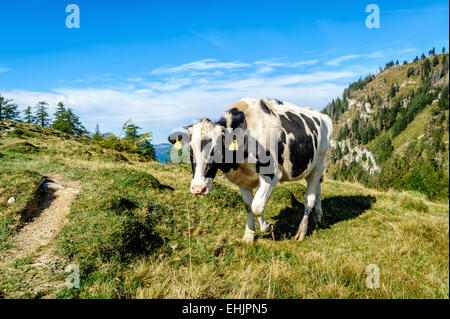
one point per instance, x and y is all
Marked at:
(166, 64)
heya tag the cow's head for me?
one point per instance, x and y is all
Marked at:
(209, 144)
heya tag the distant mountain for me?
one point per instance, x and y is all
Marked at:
(391, 129)
(108, 134)
(161, 151)
(90, 134)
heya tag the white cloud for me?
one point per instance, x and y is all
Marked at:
(269, 66)
(341, 59)
(135, 79)
(301, 63)
(372, 55)
(206, 64)
(171, 84)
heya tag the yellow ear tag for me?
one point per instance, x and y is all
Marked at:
(233, 146)
(177, 145)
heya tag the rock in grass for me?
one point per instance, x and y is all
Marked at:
(11, 200)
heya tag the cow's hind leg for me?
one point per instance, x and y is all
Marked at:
(318, 206)
(310, 200)
(247, 197)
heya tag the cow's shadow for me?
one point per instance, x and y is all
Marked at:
(335, 209)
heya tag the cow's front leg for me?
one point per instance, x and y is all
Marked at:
(247, 197)
(266, 185)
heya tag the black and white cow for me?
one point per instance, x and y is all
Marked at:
(256, 144)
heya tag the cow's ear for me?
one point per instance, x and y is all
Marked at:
(179, 139)
(188, 128)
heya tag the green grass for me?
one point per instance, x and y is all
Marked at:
(22, 184)
(137, 232)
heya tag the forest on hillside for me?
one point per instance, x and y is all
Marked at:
(401, 117)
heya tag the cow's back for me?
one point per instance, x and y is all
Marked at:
(303, 134)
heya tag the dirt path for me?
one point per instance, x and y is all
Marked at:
(32, 254)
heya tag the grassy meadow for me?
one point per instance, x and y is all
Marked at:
(136, 231)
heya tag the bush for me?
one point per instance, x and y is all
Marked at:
(144, 148)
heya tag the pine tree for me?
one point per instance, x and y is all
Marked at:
(60, 111)
(8, 110)
(426, 68)
(392, 91)
(435, 61)
(42, 117)
(60, 122)
(443, 49)
(67, 121)
(97, 130)
(139, 142)
(97, 135)
(2, 102)
(131, 132)
(28, 116)
(74, 121)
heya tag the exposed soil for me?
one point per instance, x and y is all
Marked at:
(34, 237)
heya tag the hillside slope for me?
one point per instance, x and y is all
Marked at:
(135, 231)
(391, 130)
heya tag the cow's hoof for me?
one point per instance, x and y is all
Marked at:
(249, 236)
(269, 228)
(319, 218)
(301, 234)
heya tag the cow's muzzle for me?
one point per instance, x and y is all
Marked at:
(199, 190)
